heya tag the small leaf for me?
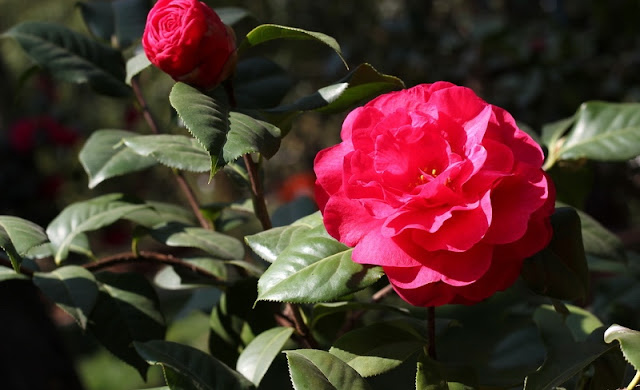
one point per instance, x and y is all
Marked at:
(319, 370)
(361, 84)
(379, 347)
(216, 244)
(72, 57)
(257, 357)
(72, 288)
(249, 135)
(205, 118)
(269, 32)
(560, 270)
(629, 343)
(429, 375)
(18, 236)
(127, 310)
(197, 368)
(159, 213)
(104, 156)
(135, 65)
(270, 243)
(86, 216)
(175, 151)
(315, 267)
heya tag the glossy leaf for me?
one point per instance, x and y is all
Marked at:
(231, 15)
(104, 156)
(72, 288)
(629, 340)
(201, 370)
(10, 274)
(269, 32)
(320, 370)
(270, 243)
(257, 357)
(18, 236)
(159, 213)
(325, 309)
(380, 347)
(216, 244)
(175, 151)
(72, 56)
(361, 84)
(315, 267)
(602, 131)
(127, 310)
(135, 65)
(260, 83)
(249, 135)
(118, 21)
(205, 118)
(552, 132)
(86, 216)
(430, 375)
(560, 270)
(599, 241)
(565, 356)
(179, 278)
(79, 245)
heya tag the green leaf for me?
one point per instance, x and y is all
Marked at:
(10, 274)
(205, 118)
(361, 84)
(127, 310)
(216, 244)
(270, 243)
(86, 216)
(72, 56)
(315, 267)
(72, 288)
(552, 132)
(380, 347)
(602, 131)
(320, 370)
(323, 310)
(119, 21)
(599, 241)
(629, 343)
(249, 135)
(269, 32)
(179, 278)
(202, 371)
(104, 156)
(260, 83)
(175, 151)
(560, 270)
(159, 213)
(257, 357)
(135, 65)
(565, 356)
(98, 17)
(18, 236)
(231, 15)
(429, 375)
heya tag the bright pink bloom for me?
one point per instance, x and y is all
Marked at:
(439, 188)
(187, 40)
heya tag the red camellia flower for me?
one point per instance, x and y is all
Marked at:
(187, 40)
(439, 188)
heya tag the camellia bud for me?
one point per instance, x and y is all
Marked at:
(187, 40)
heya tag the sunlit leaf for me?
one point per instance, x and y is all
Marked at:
(257, 357)
(629, 340)
(135, 65)
(18, 236)
(175, 151)
(216, 244)
(319, 370)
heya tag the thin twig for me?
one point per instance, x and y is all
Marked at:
(257, 193)
(180, 179)
(431, 332)
(152, 257)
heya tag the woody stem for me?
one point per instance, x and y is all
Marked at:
(431, 332)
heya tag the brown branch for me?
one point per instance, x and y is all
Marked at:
(180, 179)
(151, 257)
(257, 193)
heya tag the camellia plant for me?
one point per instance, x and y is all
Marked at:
(440, 256)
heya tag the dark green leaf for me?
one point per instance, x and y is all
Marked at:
(249, 135)
(599, 241)
(315, 267)
(322, 310)
(319, 370)
(565, 356)
(72, 288)
(231, 15)
(430, 375)
(269, 32)
(560, 270)
(205, 118)
(9, 274)
(270, 243)
(257, 357)
(99, 18)
(629, 342)
(104, 156)
(216, 244)
(86, 216)
(260, 83)
(361, 84)
(203, 371)
(72, 57)
(380, 347)
(602, 131)
(127, 310)
(135, 65)
(18, 236)
(175, 151)
(119, 22)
